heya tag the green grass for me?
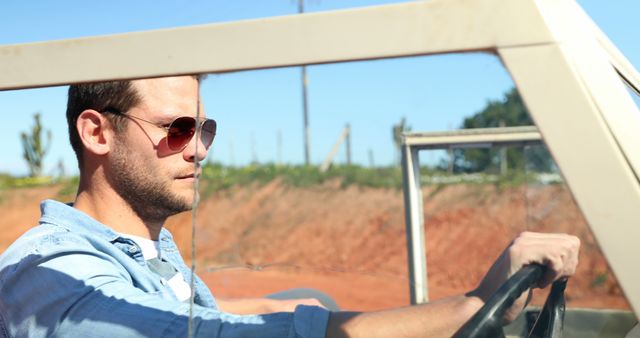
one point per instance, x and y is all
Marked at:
(69, 187)
(216, 177)
(11, 182)
(599, 280)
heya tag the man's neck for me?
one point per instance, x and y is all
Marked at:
(108, 208)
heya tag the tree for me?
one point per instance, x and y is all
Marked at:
(396, 135)
(510, 111)
(33, 147)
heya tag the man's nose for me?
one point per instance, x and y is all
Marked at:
(195, 150)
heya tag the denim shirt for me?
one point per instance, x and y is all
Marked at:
(72, 276)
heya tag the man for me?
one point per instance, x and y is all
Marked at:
(105, 266)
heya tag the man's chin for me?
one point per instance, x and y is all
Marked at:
(176, 209)
(187, 201)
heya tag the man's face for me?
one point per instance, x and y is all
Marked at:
(156, 181)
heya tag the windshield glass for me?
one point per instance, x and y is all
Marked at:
(478, 197)
(267, 221)
(280, 223)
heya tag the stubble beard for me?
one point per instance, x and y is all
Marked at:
(149, 197)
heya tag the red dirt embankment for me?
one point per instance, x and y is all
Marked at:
(350, 242)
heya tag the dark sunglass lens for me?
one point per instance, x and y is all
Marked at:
(209, 128)
(180, 132)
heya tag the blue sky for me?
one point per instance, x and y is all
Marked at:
(253, 108)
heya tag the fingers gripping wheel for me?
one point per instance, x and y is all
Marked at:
(487, 322)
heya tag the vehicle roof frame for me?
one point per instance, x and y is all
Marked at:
(584, 106)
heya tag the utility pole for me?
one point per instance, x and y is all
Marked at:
(254, 154)
(305, 106)
(451, 155)
(503, 154)
(348, 141)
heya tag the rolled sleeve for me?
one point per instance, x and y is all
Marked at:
(305, 322)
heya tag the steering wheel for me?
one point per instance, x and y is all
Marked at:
(487, 322)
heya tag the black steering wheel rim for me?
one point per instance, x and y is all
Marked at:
(487, 322)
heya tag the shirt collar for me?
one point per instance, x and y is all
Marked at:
(66, 215)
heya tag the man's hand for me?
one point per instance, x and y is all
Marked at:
(557, 252)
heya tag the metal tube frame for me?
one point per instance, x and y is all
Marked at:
(412, 144)
(568, 73)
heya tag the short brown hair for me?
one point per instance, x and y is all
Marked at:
(101, 96)
(120, 95)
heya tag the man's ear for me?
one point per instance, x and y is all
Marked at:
(95, 132)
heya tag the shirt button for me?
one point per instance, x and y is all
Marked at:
(133, 249)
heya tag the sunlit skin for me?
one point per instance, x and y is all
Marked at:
(163, 100)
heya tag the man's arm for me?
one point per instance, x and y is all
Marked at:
(66, 287)
(436, 319)
(558, 252)
(246, 306)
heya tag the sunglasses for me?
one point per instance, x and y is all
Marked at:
(181, 130)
